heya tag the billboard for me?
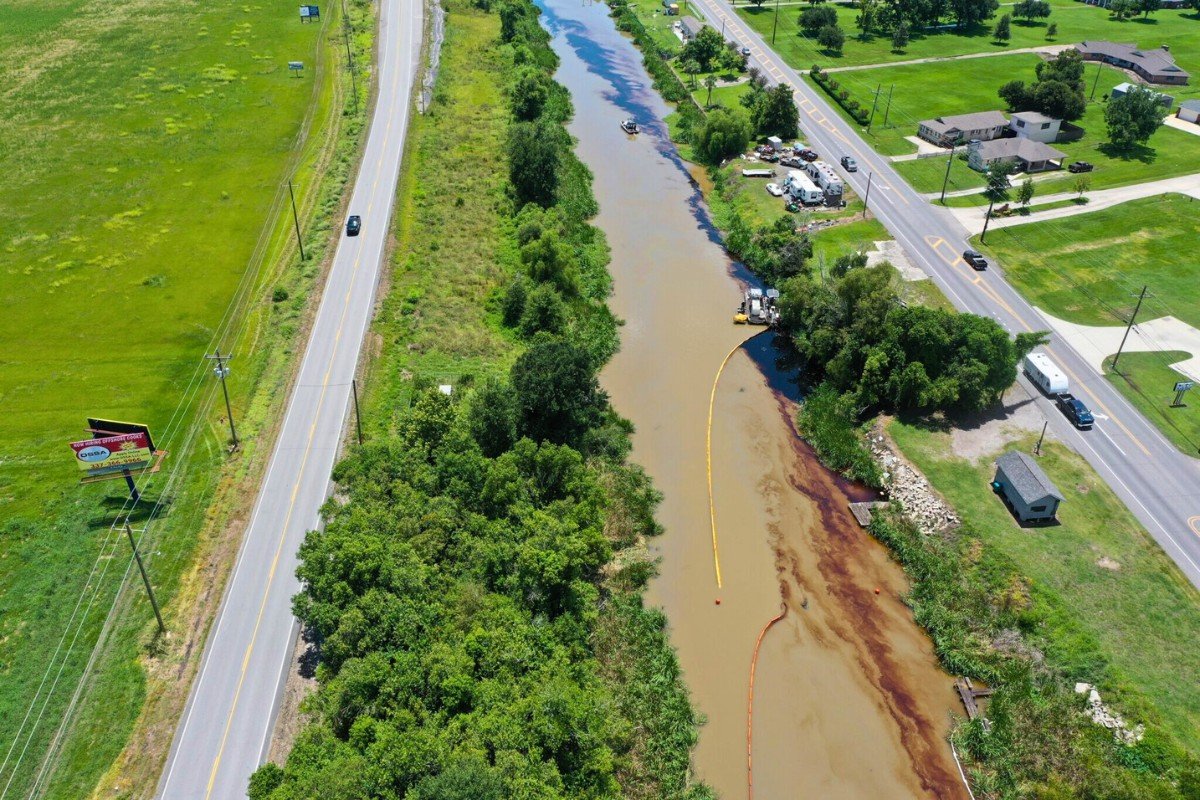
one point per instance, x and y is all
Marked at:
(108, 454)
(310, 12)
(113, 427)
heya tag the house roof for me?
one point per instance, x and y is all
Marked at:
(1024, 149)
(967, 122)
(691, 26)
(1034, 117)
(1156, 61)
(1026, 477)
(1190, 105)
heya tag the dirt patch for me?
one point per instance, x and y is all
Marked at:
(301, 682)
(1107, 563)
(989, 432)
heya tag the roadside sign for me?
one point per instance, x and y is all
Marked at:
(113, 427)
(107, 454)
(1183, 386)
(295, 66)
(1181, 389)
(309, 12)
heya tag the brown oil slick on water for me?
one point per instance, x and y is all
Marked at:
(849, 700)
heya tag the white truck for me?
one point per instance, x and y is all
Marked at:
(824, 176)
(801, 189)
(1045, 374)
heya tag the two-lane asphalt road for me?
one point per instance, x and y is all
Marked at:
(1160, 485)
(226, 728)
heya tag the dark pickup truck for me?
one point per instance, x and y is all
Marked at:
(1074, 410)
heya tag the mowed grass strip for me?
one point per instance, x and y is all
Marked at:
(1076, 21)
(1148, 381)
(1088, 268)
(1100, 568)
(144, 144)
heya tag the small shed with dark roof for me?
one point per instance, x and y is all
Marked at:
(1025, 489)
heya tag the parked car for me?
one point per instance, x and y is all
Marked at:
(1080, 166)
(775, 190)
(808, 155)
(353, 225)
(849, 164)
(791, 161)
(770, 157)
(974, 259)
(1074, 410)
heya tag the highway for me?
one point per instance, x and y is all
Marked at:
(225, 731)
(1160, 485)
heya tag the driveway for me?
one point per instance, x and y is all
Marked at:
(972, 218)
(1097, 342)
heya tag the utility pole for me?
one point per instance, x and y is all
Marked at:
(867, 196)
(986, 221)
(357, 416)
(946, 180)
(222, 371)
(888, 109)
(1128, 328)
(775, 26)
(350, 57)
(296, 219)
(145, 578)
(1037, 451)
(1096, 81)
(871, 119)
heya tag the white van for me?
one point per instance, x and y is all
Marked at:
(1046, 374)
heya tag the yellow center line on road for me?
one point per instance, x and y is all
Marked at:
(212, 777)
(1098, 403)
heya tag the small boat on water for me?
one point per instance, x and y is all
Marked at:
(629, 126)
(758, 307)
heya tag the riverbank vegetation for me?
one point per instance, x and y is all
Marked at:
(475, 596)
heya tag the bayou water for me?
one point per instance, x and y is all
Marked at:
(849, 700)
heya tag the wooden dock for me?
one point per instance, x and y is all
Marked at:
(862, 511)
(969, 695)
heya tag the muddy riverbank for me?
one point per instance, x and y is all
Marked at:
(850, 702)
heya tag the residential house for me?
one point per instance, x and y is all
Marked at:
(1153, 65)
(1035, 126)
(1189, 111)
(689, 28)
(949, 131)
(1122, 89)
(1027, 155)
(1030, 495)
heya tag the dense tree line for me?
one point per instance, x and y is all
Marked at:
(475, 642)
(1058, 90)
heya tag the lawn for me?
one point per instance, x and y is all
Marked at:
(1089, 267)
(1140, 606)
(145, 146)
(1148, 382)
(1076, 22)
(660, 25)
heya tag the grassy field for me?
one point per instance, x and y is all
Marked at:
(1148, 381)
(1076, 22)
(145, 149)
(1141, 605)
(1088, 268)
(971, 85)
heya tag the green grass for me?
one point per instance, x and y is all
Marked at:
(659, 24)
(1148, 381)
(144, 149)
(1088, 268)
(925, 293)
(928, 174)
(1076, 22)
(1145, 607)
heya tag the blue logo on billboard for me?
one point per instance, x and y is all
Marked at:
(93, 454)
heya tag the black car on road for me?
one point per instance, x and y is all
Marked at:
(353, 225)
(1074, 410)
(850, 164)
(974, 259)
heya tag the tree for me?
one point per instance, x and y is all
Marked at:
(493, 417)
(1067, 67)
(709, 82)
(814, 18)
(1082, 184)
(731, 60)
(1052, 30)
(1059, 100)
(533, 158)
(831, 38)
(866, 18)
(692, 67)
(1148, 6)
(965, 12)
(1122, 9)
(1003, 30)
(530, 92)
(900, 37)
(544, 311)
(1016, 96)
(997, 183)
(725, 133)
(704, 48)
(557, 393)
(1025, 192)
(1031, 9)
(1133, 117)
(774, 113)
